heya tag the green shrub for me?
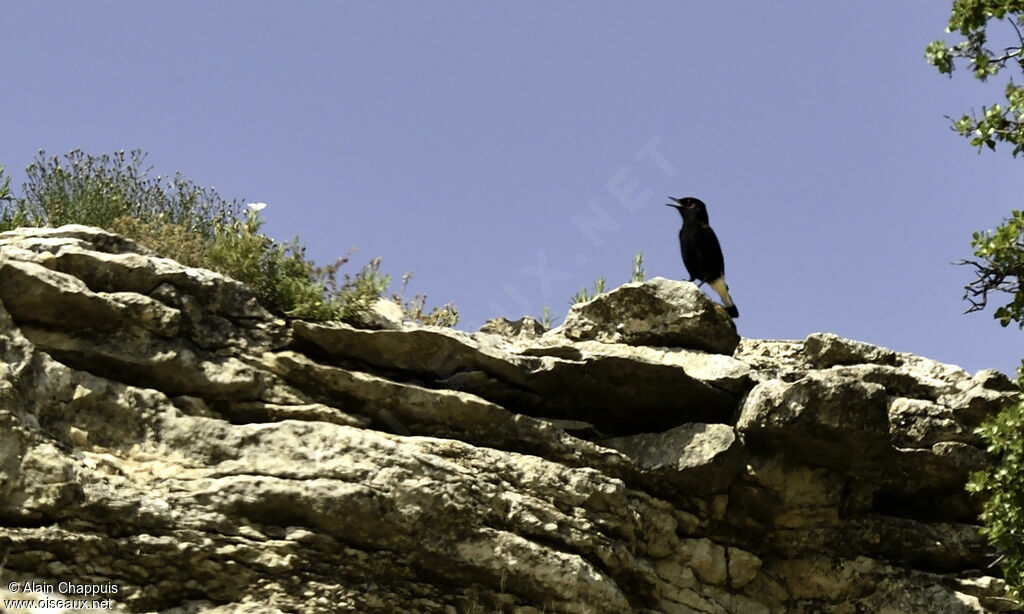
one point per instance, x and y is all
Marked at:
(195, 226)
(169, 240)
(283, 280)
(97, 190)
(293, 283)
(1002, 486)
(12, 213)
(357, 294)
(5, 185)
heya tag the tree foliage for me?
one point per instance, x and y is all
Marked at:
(999, 122)
(1000, 257)
(1000, 252)
(999, 269)
(1002, 487)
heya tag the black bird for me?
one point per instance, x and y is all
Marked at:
(702, 254)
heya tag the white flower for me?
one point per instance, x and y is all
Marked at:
(257, 206)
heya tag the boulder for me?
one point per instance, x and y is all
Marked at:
(658, 312)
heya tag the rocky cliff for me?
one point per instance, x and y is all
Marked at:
(167, 442)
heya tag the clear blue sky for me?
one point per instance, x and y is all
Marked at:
(461, 140)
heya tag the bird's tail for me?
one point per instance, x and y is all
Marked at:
(723, 291)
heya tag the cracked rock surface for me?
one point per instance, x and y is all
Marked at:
(162, 433)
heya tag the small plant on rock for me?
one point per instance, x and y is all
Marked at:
(584, 295)
(545, 318)
(446, 315)
(638, 268)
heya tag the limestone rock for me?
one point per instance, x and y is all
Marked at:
(826, 350)
(916, 423)
(525, 327)
(618, 388)
(659, 312)
(383, 314)
(694, 458)
(162, 433)
(835, 422)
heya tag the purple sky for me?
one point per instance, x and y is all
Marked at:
(471, 142)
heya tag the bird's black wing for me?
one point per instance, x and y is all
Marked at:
(702, 253)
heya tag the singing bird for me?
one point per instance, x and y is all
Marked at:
(702, 254)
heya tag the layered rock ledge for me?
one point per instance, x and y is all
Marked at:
(162, 433)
